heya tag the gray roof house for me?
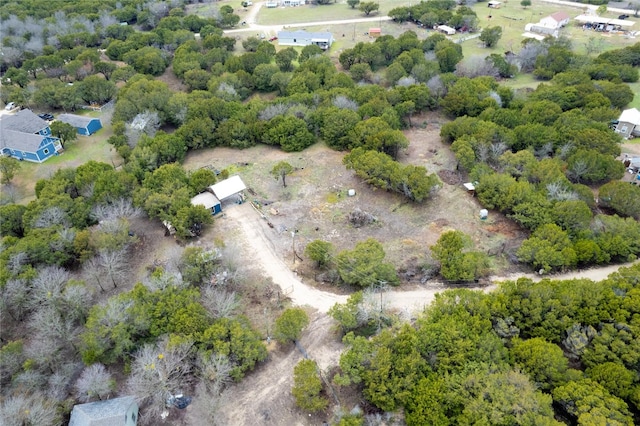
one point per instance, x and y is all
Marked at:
(304, 38)
(121, 411)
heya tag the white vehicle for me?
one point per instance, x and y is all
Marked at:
(10, 106)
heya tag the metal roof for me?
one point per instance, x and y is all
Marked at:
(601, 20)
(228, 187)
(630, 116)
(102, 413)
(305, 35)
(76, 120)
(24, 121)
(206, 199)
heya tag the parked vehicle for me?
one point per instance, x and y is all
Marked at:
(46, 116)
(10, 106)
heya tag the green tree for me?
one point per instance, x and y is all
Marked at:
(592, 404)
(11, 219)
(491, 35)
(8, 167)
(364, 266)
(290, 324)
(454, 263)
(353, 3)
(548, 248)
(281, 170)
(544, 362)
(525, 3)
(307, 386)
(65, 131)
(347, 313)
(621, 197)
(614, 377)
(285, 58)
(319, 251)
(368, 7)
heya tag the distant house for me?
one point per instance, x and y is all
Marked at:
(446, 29)
(26, 136)
(112, 412)
(271, 4)
(323, 40)
(494, 4)
(555, 20)
(208, 201)
(629, 123)
(85, 125)
(375, 32)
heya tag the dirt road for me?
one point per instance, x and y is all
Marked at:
(258, 238)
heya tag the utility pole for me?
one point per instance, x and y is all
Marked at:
(293, 245)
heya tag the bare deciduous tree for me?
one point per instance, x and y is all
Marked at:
(95, 382)
(22, 409)
(205, 408)
(15, 298)
(215, 370)
(108, 266)
(272, 111)
(343, 102)
(52, 216)
(47, 287)
(157, 373)
(121, 208)
(16, 262)
(219, 303)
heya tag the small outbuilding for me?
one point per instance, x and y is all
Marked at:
(85, 125)
(375, 32)
(323, 40)
(629, 123)
(227, 188)
(121, 411)
(446, 29)
(494, 4)
(555, 20)
(208, 201)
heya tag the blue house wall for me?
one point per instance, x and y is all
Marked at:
(46, 149)
(93, 126)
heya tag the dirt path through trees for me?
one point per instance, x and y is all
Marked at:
(261, 245)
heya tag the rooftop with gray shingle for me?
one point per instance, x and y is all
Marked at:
(101, 413)
(75, 120)
(24, 121)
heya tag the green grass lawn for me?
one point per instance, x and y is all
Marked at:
(635, 87)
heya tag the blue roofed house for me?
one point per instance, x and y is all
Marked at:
(85, 125)
(121, 411)
(26, 136)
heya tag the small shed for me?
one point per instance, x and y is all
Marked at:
(470, 187)
(85, 125)
(208, 201)
(446, 29)
(227, 188)
(629, 123)
(121, 411)
(375, 32)
(494, 4)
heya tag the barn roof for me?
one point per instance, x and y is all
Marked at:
(228, 187)
(101, 413)
(76, 120)
(206, 199)
(630, 116)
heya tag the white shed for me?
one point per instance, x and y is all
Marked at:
(324, 40)
(446, 29)
(228, 187)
